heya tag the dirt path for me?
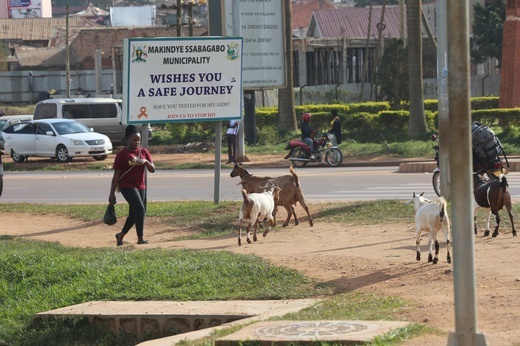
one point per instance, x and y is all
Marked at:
(377, 259)
(367, 258)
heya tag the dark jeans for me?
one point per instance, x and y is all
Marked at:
(136, 210)
(232, 147)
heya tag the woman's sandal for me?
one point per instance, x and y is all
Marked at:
(140, 242)
(119, 241)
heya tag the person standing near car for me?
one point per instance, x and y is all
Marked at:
(129, 172)
(307, 133)
(231, 138)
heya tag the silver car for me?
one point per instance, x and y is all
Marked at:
(59, 138)
(8, 120)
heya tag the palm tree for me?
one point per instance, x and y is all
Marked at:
(417, 122)
(287, 116)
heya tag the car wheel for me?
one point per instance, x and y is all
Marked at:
(62, 154)
(100, 157)
(17, 158)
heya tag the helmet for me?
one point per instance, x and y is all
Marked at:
(306, 117)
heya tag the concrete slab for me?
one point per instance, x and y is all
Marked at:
(172, 321)
(308, 332)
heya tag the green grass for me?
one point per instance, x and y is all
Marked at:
(56, 167)
(38, 276)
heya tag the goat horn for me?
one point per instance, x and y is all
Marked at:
(421, 194)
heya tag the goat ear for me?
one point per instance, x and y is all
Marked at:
(421, 194)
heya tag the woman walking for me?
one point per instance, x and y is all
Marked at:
(129, 174)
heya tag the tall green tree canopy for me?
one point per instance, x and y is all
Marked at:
(392, 76)
(488, 28)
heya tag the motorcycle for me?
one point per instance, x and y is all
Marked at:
(300, 153)
(490, 169)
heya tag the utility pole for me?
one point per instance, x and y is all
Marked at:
(67, 53)
(464, 280)
(442, 98)
(216, 29)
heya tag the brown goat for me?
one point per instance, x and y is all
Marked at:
(290, 191)
(493, 195)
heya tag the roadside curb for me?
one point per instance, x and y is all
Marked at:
(428, 167)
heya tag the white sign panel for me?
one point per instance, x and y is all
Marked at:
(261, 24)
(182, 79)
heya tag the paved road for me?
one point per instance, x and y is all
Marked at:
(320, 184)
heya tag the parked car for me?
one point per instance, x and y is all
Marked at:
(104, 115)
(8, 120)
(59, 138)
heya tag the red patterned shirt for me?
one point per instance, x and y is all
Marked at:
(134, 178)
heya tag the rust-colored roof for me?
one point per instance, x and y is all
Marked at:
(37, 29)
(352, 22)
(302, 11)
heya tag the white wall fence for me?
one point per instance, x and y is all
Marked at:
(16, 84)
(15, 88)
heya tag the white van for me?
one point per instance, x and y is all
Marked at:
(104, 115)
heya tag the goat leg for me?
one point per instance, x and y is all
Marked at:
(495, 233)
(448, 245)
(240, 233)
(430, 248)
(248, 230)
(296, 222)
(436, 258)
(254, 234)
(290, 211)
(304, 205)
(511, 219)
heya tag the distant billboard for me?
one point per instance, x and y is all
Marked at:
(182, 79)
(18, 9)
(262, 26)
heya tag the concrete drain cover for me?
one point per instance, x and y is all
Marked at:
(315, 330)
(287, 332)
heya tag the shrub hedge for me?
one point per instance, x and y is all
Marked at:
(361, 122)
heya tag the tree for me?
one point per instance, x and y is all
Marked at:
(286, 114)
(393, 74)
(488, 29)
(417, 122)
(4, 53)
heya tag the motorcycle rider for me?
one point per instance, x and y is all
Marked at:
(307, 133)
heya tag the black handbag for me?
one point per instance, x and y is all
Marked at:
(110, 217)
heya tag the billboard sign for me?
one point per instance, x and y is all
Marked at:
(182, 79)
(262, 28)
(25, 9)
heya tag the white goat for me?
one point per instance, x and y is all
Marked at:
(431, 217)
(256, 207)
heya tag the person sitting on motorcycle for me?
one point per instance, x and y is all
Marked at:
(307, 133)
